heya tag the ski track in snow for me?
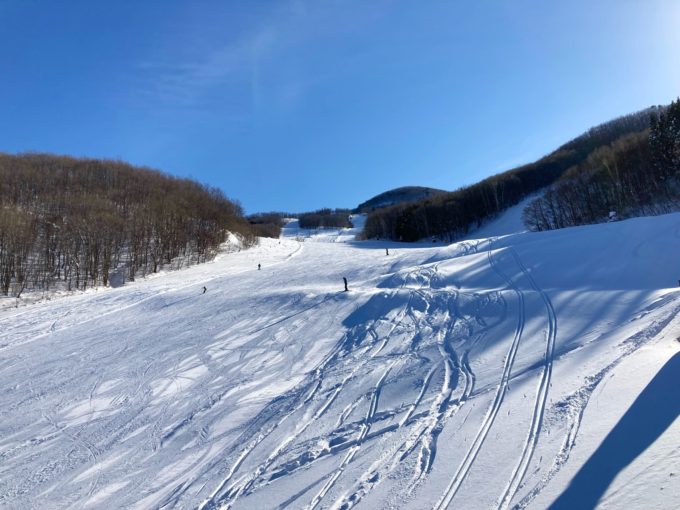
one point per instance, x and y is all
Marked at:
(541, 394)
(502, 388)
(277, 390)
(244, 485)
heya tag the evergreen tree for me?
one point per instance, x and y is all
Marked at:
(664, 140)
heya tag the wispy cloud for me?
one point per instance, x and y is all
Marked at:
(187, 82)
(239, 65)
(233, 66)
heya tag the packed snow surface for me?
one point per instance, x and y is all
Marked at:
(528, 370)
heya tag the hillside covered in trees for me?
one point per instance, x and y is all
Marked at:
(637, 174)
(267, 224)
(452, 215)
(325, 218)
(75, 222)
(397, 196)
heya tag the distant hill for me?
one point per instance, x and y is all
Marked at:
(397, 196)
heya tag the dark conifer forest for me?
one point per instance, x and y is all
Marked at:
(75, 222)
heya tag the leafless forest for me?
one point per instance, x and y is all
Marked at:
(452, 215)
(637, 174)
(76, 222)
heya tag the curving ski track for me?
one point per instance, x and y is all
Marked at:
(483, 431)
(541, 395)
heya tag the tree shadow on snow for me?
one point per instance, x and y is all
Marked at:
(651, 414)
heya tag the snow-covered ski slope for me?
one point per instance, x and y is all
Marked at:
(325, 235)
(494, 373)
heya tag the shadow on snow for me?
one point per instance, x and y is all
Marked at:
(651, 414)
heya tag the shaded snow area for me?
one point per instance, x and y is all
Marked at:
(524, 371)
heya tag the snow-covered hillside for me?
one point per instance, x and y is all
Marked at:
(519, 371)
(508, 222)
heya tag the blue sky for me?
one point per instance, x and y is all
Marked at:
(298, 104)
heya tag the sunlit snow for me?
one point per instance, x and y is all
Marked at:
(482, 374)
